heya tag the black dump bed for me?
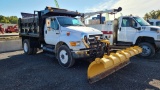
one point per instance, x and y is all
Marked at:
(29, 26)
(32, 25)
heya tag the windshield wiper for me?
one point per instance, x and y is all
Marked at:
(72, 25)
(68, 25)
(146, 25)
(78, 25)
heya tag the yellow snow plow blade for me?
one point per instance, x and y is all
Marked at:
(102, 67)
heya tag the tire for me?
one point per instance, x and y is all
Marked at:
(26, 47)
(64, 56)
(148, 50)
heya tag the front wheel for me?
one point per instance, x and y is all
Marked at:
(148, 50)
(65, 57)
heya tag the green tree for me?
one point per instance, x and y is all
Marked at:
(147, 16)
(152, 15)
(11, 19)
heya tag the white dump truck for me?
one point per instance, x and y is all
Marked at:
(58, 31)
(128, 31)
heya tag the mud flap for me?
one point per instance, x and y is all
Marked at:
(102, 67)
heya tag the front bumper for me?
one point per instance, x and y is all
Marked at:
(80, 54)
(157, 44)
(91, 52)
(95, 46)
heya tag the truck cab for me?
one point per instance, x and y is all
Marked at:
(67, 29)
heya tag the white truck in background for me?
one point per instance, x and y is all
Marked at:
(128, 31)
(154, 22)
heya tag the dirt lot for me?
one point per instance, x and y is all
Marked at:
(42, 72)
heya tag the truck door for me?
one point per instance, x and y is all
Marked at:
(122, 29)
(131, 31)
(127, 31)
(52, 31)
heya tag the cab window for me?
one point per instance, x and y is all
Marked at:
(151, 23)
(158, 23)
(125, 22)
(54, 24)
(134, 24)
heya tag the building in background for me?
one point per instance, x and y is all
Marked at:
(96, 20)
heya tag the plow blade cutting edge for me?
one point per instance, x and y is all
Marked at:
(102, 67)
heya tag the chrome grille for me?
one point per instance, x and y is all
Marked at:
(93, 42)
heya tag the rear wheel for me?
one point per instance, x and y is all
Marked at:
(65, 57)
(148, 50)
(26, 47)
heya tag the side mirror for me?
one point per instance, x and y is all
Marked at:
(138, 28)
(52, 19)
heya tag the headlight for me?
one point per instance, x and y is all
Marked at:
(86, 39)
(75, 43)
(155, 29)
(84, 36)
(102, 37)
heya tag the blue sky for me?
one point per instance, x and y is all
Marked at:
(135, 7)
(14, 7)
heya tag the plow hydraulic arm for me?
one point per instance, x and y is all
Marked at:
(102, 67)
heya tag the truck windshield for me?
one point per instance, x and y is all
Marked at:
(69, 21)
(141, 21)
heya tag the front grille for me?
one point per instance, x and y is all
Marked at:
(90, 36)
(93, 42)
(154, 29)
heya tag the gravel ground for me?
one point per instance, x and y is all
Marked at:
(42, 72)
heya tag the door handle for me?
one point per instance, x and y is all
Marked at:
(119, 29)
(46, 31)
(57, 33)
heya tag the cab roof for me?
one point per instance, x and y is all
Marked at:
(51, 11)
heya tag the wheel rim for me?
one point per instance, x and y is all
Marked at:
(63, 56)
(25, 47)
(145, 50)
